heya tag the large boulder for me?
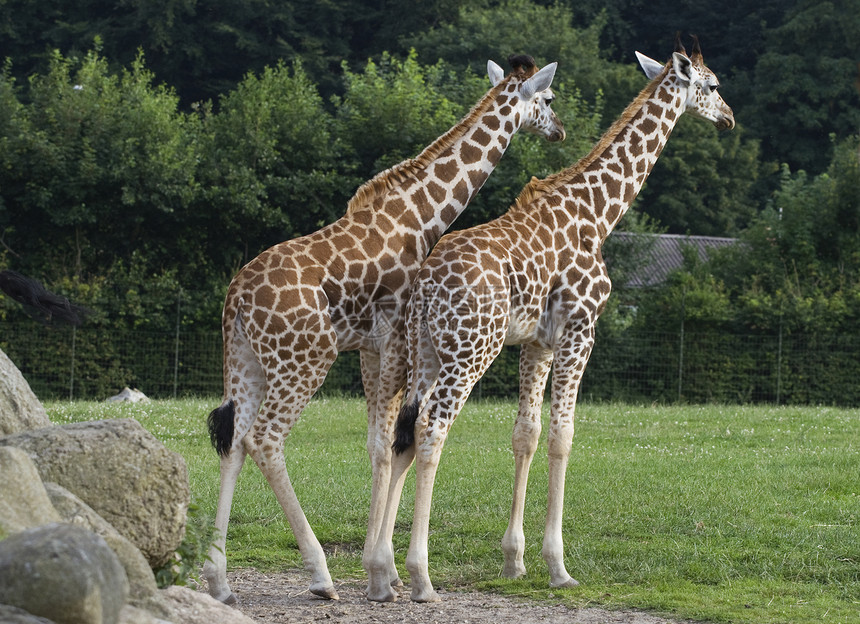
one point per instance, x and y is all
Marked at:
(133, 615)
(143, 590)
(194, 607)
(120, 470)
(24, 504)
(14, 615)
(20, 410)
(64, 573)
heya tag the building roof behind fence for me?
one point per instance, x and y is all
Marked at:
(665, 255)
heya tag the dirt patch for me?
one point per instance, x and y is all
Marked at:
(278, 598)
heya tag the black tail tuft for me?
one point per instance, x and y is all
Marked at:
(221, 427)
(40, 303)
(404, 431)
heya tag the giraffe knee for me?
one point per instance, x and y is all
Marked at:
(526, 436)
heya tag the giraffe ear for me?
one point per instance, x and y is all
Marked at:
(651, 67)
(539, 82)
(495, 73)
(683, 67)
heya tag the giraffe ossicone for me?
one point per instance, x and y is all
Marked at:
(534, 277)
(293, 308)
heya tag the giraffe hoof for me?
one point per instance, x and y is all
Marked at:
(570, 582)
(397, 582)
(328, 593)
(430, 596)
(385, 595)
(514, 571)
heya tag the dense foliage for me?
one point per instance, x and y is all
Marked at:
(148, 150)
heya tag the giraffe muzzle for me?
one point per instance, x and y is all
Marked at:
(558, 135)
(726, 123)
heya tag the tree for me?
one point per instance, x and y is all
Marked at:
(394, 109)
(703, 182)
(806, 83)
(271, 166)
(495, 31)
(103, 157)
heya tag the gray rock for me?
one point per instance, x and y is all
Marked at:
(20, 410)
(14, 615)
(128, 395)
(64, 573)
(24, 504)
(143, 590)
(133, 615)
(120, 470)
(193, 607)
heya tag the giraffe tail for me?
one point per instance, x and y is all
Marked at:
(404, 430)
(221, 427)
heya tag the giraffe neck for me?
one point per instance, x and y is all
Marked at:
(602, 186)
(423, 196)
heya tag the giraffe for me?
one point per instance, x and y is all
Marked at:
(292, 309)
(535, 277)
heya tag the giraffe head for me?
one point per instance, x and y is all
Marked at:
(529, 92)
(700, 83)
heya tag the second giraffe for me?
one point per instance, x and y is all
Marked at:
(535, 277)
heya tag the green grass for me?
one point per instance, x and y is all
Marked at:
(716, 513)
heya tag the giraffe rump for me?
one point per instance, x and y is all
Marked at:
(220, 423)
(404, 430)
(40, 303)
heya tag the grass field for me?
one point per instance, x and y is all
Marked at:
(715, 513)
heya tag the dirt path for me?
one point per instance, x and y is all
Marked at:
(279, 598)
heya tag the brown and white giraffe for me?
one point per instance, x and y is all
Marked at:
(535, 277)
(292, 309)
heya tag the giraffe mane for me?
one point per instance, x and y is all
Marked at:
(388, 179)
(536, 188)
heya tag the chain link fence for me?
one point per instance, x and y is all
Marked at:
(637, 367)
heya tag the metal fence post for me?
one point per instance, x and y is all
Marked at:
(72, 371)
(176, 347)
(779, 363)
(681, 345)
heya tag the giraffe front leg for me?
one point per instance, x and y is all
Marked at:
(571, 356)
(553, 544)
(535, 364)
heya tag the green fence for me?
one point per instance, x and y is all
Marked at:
(63, 363)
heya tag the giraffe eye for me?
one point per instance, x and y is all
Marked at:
(548, 100)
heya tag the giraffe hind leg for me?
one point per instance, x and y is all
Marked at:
(289, 388)
(265, 444)
(244, 389)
